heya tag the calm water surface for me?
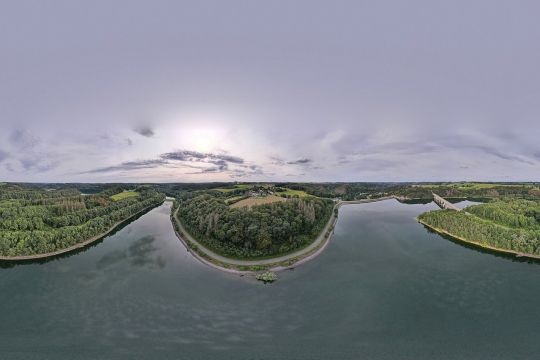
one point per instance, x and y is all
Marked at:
(385, 288)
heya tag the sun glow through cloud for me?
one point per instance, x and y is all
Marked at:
(204, 139)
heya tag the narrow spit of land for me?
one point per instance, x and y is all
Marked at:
(279, 263)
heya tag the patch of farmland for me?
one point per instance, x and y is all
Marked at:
(254, 201)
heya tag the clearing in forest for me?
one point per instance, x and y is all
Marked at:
(124, 195)
(290, 192)
(253, 201)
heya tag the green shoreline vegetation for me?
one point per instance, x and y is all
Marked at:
(250, 269)
(510, 225)
(254, 221)
(36, 221)
(262, 231)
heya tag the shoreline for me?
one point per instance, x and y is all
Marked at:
(278, 263)
(76, 246)
(516, 254)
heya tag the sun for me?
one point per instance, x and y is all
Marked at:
(204, 139)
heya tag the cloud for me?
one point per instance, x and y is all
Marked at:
(375, 165)
(215, 169)
(9, 167)
(501, 155)
(38, 164)
(374, 154)
(28, 153)
(22, 139)
(145, 131)
(3, 155)
(502, 150)
(400, 110)
(186, 158)
(303, 161)
(276, 160)
(129, 165)
(188, 155)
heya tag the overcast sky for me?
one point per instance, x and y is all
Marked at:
(106, 91)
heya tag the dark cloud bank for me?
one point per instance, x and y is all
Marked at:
(203, 162)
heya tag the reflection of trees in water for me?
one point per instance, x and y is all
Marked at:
(6, 264)
(140, 253)
(484, 250)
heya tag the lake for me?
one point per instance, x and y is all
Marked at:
(385, 288)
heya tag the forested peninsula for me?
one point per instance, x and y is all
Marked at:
(255, 222)
(508, 225)
(35, 221)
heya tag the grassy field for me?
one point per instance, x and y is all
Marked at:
(480, 186)
(234, 199)
(469, 186)
(253, 201)
(124, 195)
(236, 187)
(289, 192)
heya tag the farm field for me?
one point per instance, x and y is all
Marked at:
(236, 187)
(290, 192)
(253, 201)
(124, 195)
(468, 186)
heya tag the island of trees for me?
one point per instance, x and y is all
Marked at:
(252, 222)
(511, 225)
(38, 220)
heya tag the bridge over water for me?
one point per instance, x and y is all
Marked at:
(443, 203)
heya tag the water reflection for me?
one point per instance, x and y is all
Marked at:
(483, 250)
(5, 264)
(141, 253)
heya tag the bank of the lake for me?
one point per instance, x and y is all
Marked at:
(79, 245)
(478, 244)
(508, 226)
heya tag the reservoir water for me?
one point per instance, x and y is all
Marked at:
(385, 288)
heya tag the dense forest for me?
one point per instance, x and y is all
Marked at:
(467, 190)
(232, 219)
(511, 224)
(36, 220)
(343, 191)
(262, 230)
(359, 190)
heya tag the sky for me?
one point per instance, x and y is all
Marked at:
(192, 91)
